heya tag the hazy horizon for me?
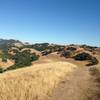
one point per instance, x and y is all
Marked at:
(52, 21)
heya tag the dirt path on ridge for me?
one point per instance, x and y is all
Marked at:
(75, 85)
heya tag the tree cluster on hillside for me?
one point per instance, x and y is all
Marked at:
(38, 46)
(89, 48)
(23, 59)
(86, 56)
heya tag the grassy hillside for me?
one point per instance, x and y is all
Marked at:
(51, 77)
(24, 54)
(33, 83)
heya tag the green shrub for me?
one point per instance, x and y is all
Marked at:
(1, 70)
(34, 57)
(23, 59)
(86, 57)
(82, 56)
(4, 59)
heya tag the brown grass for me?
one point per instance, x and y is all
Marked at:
(33, 83)
(5, 65)
(31, 50)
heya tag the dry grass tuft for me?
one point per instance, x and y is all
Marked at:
(33, 83)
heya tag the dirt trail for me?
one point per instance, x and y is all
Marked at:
(74, 86)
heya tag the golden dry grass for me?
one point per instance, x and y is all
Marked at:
(18, 45)
(33, 83)
(31, 50)
(5, 65)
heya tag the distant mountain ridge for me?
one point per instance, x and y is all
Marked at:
(11, 42)
(6, 44)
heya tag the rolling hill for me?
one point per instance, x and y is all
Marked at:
(48, 71)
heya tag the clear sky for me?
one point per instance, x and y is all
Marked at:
(54, 21)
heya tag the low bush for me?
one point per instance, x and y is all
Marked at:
(82, 56)
(93, 61)
(1, 70)
(85, 56)
(34, 57)
(67, 54)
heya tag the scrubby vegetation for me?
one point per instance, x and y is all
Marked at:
(1, 70)
(88, 48)
(22, 56)
(67, 54)
(71, 48)
(23, 59)
(86, 56)
(38, 46)
(12, 49)
(4, 56)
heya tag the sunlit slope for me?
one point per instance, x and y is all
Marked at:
(5, 65)
(33, 83)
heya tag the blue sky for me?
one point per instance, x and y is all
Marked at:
(54, 21)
